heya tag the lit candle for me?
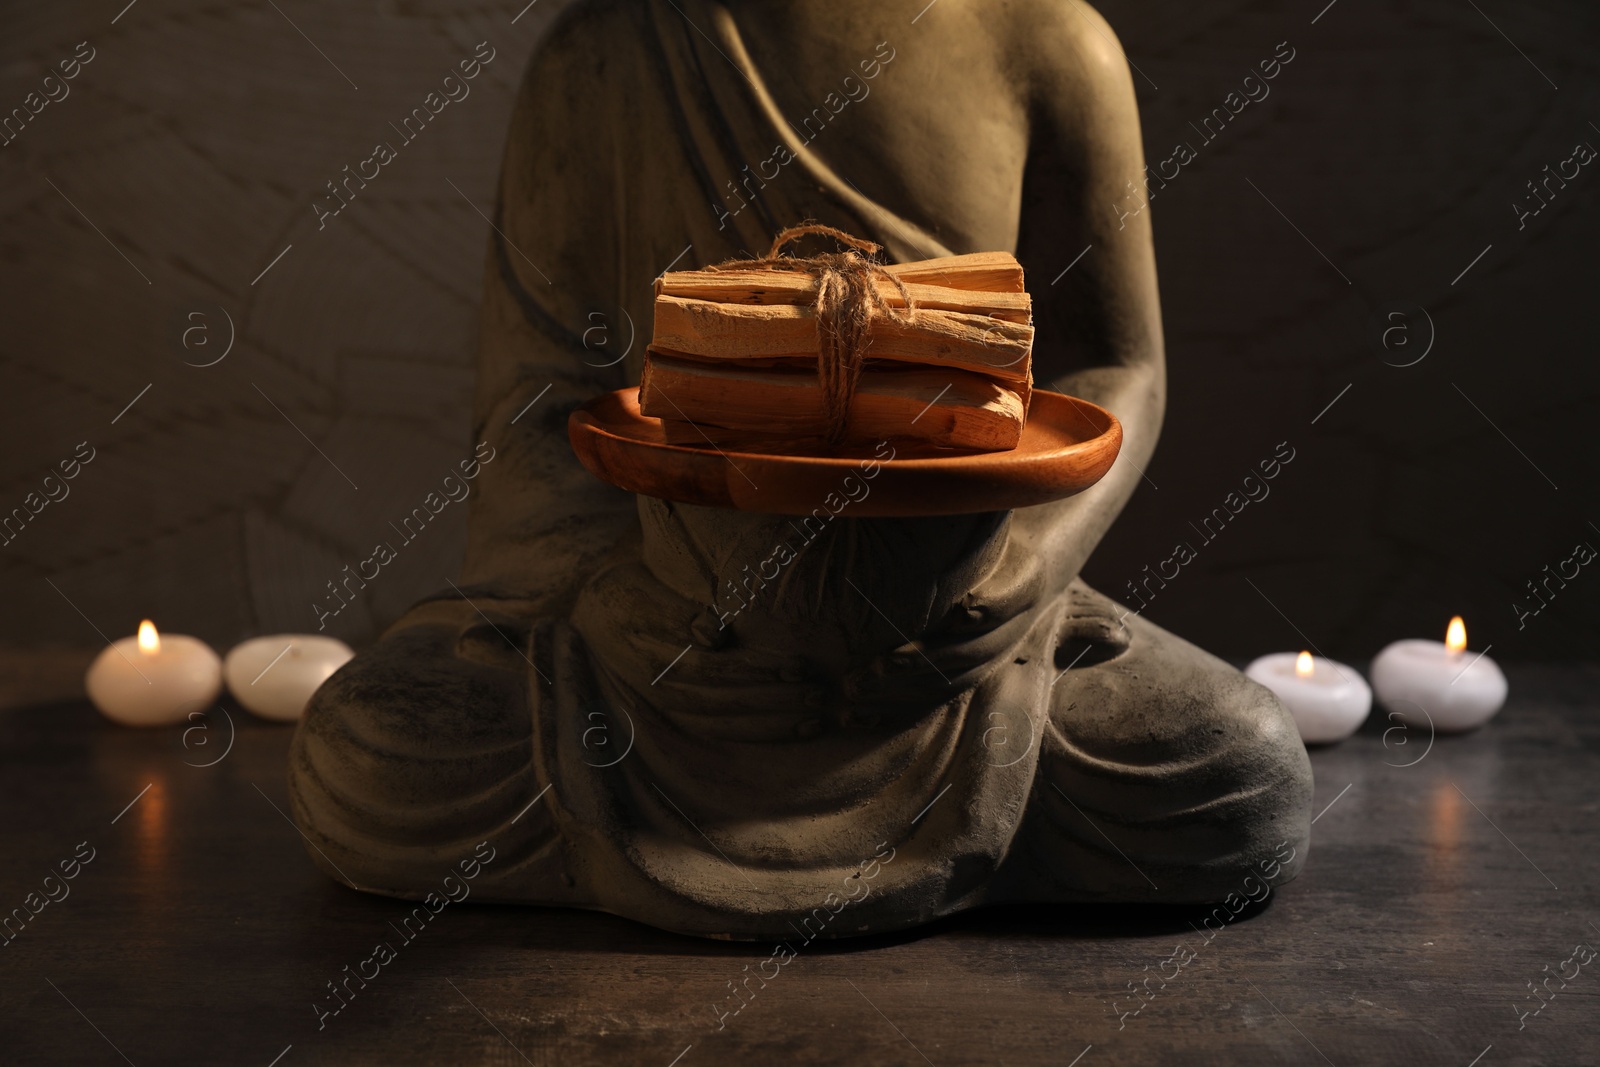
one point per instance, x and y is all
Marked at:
(1329, 700)
(153, 679)
(1454, 689)
(275, 676)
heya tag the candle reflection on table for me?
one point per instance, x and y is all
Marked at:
(1444, 833)
(151, 812)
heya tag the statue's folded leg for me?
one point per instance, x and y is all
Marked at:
(1164, 774)
(420, 749)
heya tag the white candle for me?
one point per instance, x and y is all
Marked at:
(153, 679)
(1329, 700)
(275, 676)
(1423, 682)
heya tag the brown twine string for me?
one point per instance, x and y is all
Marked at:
(847, 301)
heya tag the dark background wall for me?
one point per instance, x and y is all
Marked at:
(1395, 143)
(1357, 217)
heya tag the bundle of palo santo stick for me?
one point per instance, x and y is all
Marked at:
(838, 349)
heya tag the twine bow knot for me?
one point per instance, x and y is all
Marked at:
(847, 302)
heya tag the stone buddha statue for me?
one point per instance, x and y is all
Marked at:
(914, 716)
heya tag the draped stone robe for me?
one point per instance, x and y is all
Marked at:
(644, 711)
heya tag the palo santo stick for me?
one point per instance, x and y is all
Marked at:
(995, 272)
(756, 286)
(710, 330)
(949, 408)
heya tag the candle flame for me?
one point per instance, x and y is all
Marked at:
(149, 640)
(1455, 638)
(1303, 666)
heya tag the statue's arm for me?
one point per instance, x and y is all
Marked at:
(539, 522)
(1099, 323)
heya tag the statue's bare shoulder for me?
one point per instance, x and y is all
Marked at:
(1068, 62)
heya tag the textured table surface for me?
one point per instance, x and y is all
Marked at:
(1443, 880)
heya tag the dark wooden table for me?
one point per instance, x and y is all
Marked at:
(1443, 883)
